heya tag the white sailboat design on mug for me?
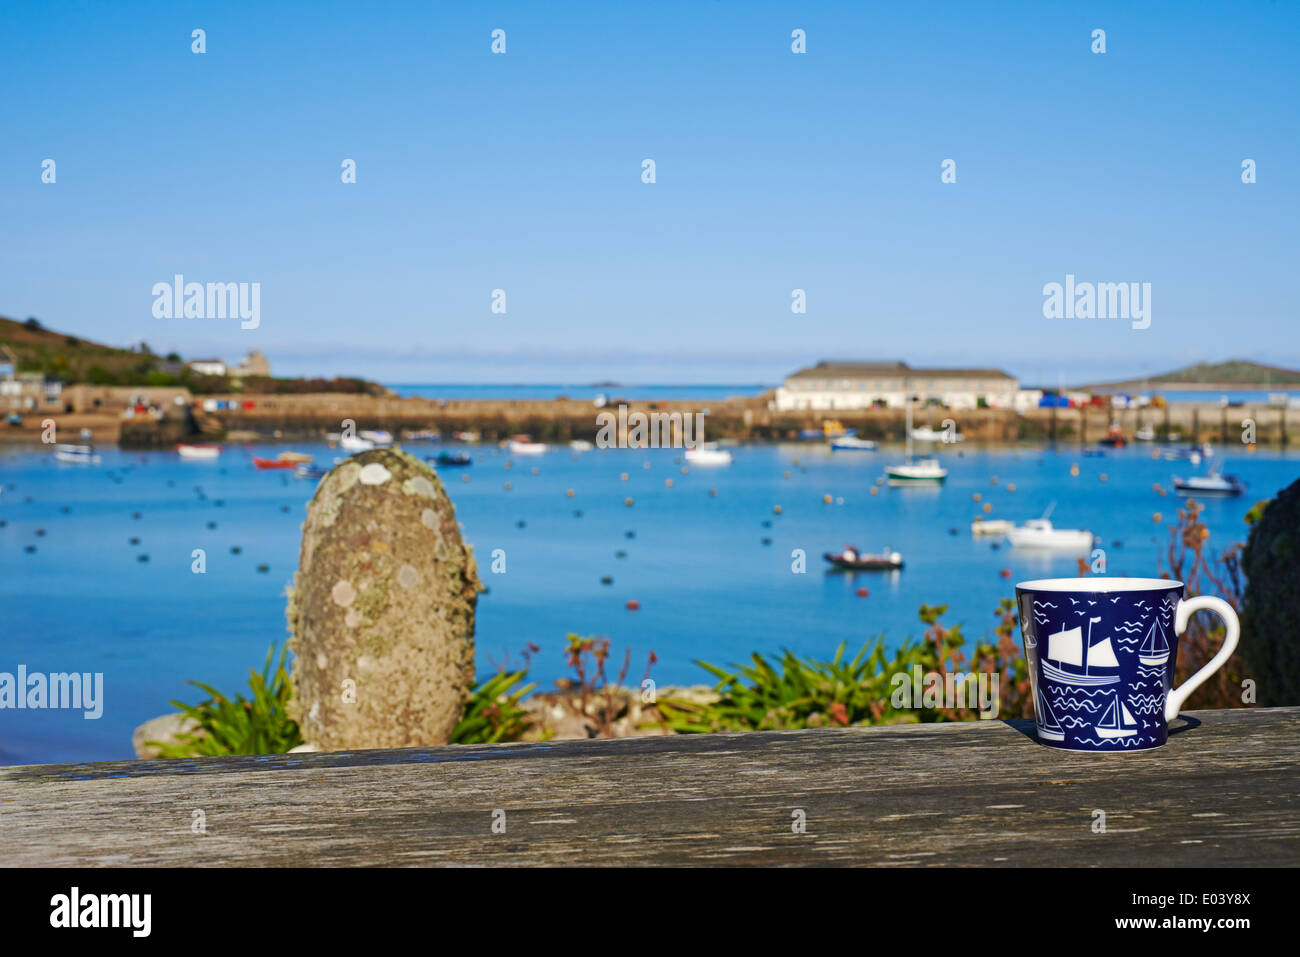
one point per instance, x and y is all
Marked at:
(1154, 650)
(1049, 729)
(1116, 721)
(1068, 647)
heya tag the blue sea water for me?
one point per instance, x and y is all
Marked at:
(707, 585)
(585, 392)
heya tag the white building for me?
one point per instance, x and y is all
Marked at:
(843, 386)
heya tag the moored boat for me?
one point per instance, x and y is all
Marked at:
(851, 443)
(198, 451)
(850, 559)
(1216, 483)
(297, 458)
(1039, 533)
(524, 445)
(995, 526)
(310, 471)
(268, 464)
(925, 472)
(76, 454)
(707, 453)
(450, 459)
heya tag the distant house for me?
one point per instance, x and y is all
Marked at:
(834, 386)
(253, 364)
(208, 366)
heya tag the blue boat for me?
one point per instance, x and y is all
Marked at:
(450, 458)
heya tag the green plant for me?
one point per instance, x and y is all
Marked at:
(793, 692)
(492, 713)
(257, 725)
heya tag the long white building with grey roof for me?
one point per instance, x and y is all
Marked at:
(842, 386)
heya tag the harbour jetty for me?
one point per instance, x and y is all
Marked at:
(240, 417)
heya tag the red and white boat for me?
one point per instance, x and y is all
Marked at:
(198, 451)
(273, 463)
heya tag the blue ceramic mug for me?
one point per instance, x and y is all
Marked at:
(1101, 655)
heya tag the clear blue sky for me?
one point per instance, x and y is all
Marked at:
(775, 171)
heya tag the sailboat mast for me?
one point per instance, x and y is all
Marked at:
(1087, 647)
(909, 428)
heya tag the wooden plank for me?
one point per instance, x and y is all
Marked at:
(1222, 792)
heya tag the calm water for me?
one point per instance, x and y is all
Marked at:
(545, 391)
(707, 585)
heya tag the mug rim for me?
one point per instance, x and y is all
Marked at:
(1098, 584)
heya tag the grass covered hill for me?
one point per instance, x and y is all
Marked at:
(72, 359)
(1239, 373)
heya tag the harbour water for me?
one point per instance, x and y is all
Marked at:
(708, 585)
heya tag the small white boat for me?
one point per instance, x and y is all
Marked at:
(1215, 483)
(926, 434)
(1039, 533)
(581, 445)
(204, 452)
(996, 526)
(1145, 434)
(78, 454)
(377, 436)
(355, 443)
(851, 443)
(708, 453)
(522, 445)
(924, 472)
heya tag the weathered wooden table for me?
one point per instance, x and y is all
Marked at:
(1222, 792)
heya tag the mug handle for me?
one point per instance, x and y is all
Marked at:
(1174, 702)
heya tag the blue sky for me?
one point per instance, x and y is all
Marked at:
(775, 171)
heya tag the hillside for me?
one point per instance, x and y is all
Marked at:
(1234, 373)
(72, 359)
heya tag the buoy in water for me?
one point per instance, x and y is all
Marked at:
(628, 501)
(142, 558)
(1074, 470)
(668, 483)
(212, 524)
(629, 534)
(521, 524)
(1011, 486)
(633, 604)
(875, 490)
(863, 593)
(976, 497)
(620, 554)
(568, 492)
(1005, 573)
(988, 507)
(713, 493)
(767, 541)
(263, 568)
(622, 476)
(1157, 517)
(827, 499)
(235, 549)
(29, 549)
(577, 513)
(1102, 476)
(508, 486)
(40, 533)
(776, 509)
(606, 580)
